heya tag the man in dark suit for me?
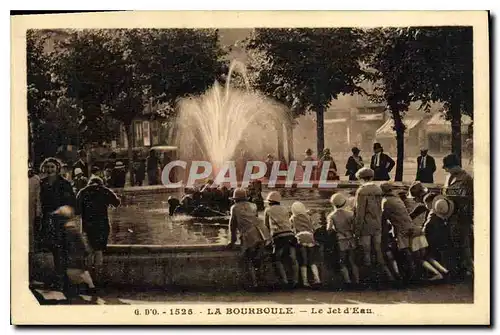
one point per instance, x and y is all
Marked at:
(381, 163)
(82, 164)
(426, 166)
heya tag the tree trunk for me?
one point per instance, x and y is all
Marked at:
(128, 133)
(400, 145)
(289, 138)
(320, 129)
(281, 144)
(456, 131)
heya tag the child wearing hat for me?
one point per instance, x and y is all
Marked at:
(368, 220)
(341, 221)
(394, 210)
(276, 219)
(419, 242)
(304, 232)
(254, 234)
(435, 229)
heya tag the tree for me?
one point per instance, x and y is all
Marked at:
(119, 72)
(272, 84)
(316, 65)
(422, 64)
(442, 70)
(388, 62)
(42, 95)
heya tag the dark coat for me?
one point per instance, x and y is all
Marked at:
(386, 165)
(92, 203)
(53, 196)
(352, 167)
(118, 176)
(426, 175)
(82, 165)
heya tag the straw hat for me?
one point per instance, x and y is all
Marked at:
(273, 196)
(443, 207)
(298, 208)
(239, 194)
(119, 165)
(78, 171)
(365, 172)
(338, 200)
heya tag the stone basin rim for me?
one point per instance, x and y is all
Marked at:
(164, 248)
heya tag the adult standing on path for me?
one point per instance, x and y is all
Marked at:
(426, 166)
(332, 170)
(354, 163)
(152, 166)
(381, 163)
(35, 212)
(92, 203)
(459, 187)
(58, 203)
(81, 164)
(309, 158)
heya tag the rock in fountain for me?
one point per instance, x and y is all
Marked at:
(227, 123)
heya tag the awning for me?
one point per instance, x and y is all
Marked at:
(439, 125)
(387, 131)
(330, 121)
(370, 117)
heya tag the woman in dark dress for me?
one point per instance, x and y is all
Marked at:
(354, 163)
(58, 202)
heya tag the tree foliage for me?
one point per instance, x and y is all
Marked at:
(426, 64)
(309, 66)
(117, 73)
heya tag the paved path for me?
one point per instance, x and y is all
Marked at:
(439, 293)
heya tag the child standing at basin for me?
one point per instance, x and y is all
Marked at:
(341, 221)
(304, 232)
(254, 235)
(276, 218)
(92, 203)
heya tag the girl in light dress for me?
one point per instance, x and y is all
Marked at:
(304, 232)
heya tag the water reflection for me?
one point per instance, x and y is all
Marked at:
(147, 222)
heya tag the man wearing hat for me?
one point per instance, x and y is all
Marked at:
(81, 164)
(459, 188)
(79, 180)
(254, 234)
(354, 163)
(118, 175)
(381, 163)
(426, 166)
(368, 219)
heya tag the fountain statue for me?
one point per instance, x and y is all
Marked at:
(228, 123)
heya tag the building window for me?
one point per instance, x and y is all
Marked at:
(138, 137)
(146, 133)
(155, 132)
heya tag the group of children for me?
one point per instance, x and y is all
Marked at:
(406, 234)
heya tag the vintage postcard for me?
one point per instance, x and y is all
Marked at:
(251, 168)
